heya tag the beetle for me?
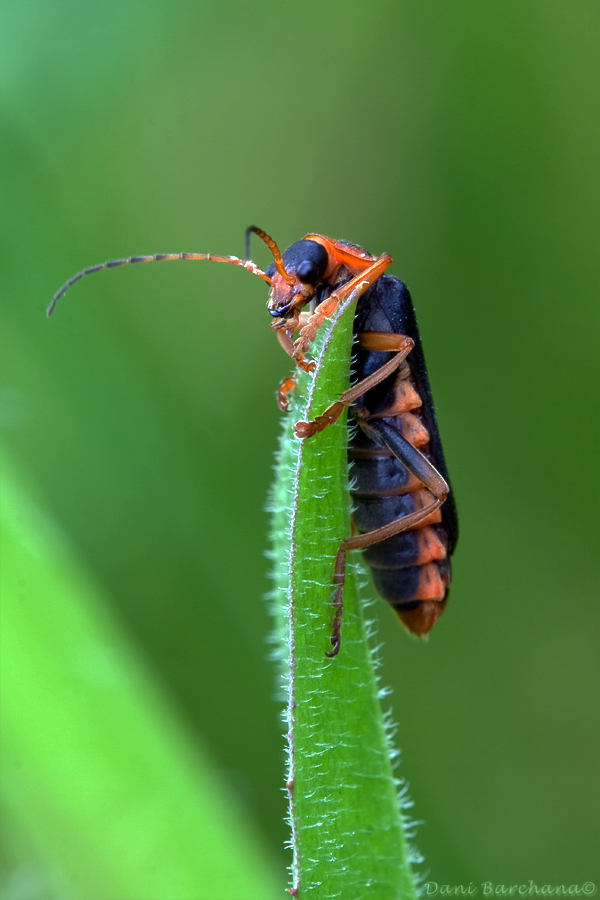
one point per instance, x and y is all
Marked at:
(404, 510)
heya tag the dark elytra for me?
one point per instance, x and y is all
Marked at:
(387, 306)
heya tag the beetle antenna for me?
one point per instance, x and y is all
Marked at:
(272, 247)
(158, 257)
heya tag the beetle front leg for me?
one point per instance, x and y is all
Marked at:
(288, 384)
(289, 347)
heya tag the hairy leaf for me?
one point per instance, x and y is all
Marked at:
(347, 834)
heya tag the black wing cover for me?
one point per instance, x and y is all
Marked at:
(387, 306)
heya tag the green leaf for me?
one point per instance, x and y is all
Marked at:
(105, 794)
(347, 838)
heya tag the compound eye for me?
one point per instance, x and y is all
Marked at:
(307, 272)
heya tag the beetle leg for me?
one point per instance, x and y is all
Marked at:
(288, 384)
(352, 290)
(288, 345)
(339, 577)
(383, 433)
(382, 340)
(416, 463)
(399, 342)
(359, 542)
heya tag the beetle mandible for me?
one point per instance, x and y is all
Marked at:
(404, 514)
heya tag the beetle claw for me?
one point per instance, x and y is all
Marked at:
(305, 429)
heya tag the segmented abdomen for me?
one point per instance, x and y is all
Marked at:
(411, 570)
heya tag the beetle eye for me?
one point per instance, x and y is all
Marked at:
(307, 272)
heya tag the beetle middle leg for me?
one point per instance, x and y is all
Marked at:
(371, 341)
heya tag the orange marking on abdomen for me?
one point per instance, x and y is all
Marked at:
(424, 498)
(431, 586)
(430, 547)
(405, 398)
(413, 430)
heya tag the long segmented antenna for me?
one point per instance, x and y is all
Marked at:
(159, 257)
(252, 229)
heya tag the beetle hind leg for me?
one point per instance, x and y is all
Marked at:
(339, 579)
(359, 542)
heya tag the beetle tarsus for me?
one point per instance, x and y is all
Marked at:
(287, 385)
(339, 579)
(336, 629)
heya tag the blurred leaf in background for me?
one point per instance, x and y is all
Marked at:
(102, 793)
(463, 139)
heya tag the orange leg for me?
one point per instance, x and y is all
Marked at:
(352, 290)
(359, 542)
(383, 432)
(288, 345)
(374, 340)
(288, 384)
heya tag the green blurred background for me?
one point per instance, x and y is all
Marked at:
(462, 138)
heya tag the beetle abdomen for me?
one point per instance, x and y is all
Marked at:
(411, 570)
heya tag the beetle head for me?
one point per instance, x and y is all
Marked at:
(304, 264)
